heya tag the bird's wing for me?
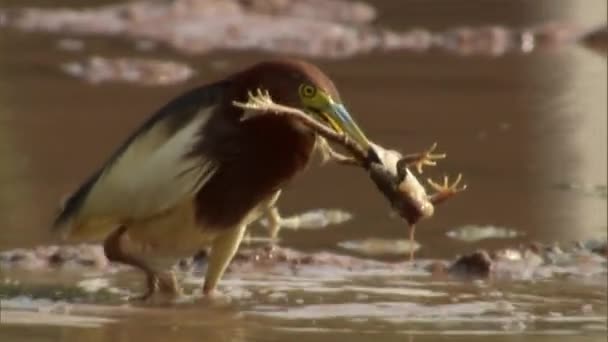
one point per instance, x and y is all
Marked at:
(151, 172)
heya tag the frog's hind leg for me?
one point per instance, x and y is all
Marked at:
(445, 190)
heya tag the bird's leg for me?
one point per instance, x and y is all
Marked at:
(222, 251)
(273, 216)
(419, 160)
(445, 190)
(167, 284)
(115, 252)
(274, 221)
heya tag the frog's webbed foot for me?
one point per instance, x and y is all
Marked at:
(419, 160)
(329, 154)
(445, 190)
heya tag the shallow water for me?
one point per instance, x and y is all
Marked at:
(527, 131)
(373, 300)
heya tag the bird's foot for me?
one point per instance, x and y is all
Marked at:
(162, 285)
(151, 288)
(168, 285)
(215, 298)
(427, 157)
(445, 190)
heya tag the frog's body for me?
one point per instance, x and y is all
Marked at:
(407, 195)
(410, 199)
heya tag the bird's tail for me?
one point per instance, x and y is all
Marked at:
(69, 227)
(68, 224)
(62, 219)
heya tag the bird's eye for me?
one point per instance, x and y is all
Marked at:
(307, 91)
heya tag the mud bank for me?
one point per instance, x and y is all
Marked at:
(312, 28)
(147, 72)
(536, 261)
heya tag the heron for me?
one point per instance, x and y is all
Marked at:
(194, 174)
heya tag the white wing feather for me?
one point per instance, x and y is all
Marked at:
(151, 175)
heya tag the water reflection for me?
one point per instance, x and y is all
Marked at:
(15, 190)
(571, 141)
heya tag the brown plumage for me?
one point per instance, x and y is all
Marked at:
(195, 174)
(272, 149)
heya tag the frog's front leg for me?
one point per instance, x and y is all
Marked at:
(445, 190)
(419, 160)
(329, 154)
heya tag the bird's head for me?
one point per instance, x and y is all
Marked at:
(302, 85)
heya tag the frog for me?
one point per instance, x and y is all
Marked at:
(391, 173)
(388, 169)
(408, 196)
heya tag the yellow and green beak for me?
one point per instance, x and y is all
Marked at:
(342, 122)
(339, 119)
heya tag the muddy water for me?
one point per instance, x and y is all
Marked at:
(527, 131)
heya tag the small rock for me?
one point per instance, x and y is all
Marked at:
(475, 265)
(600, 248)
(437, 268)
(57, 259)
(597, 38)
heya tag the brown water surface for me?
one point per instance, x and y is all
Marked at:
(528, 131)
